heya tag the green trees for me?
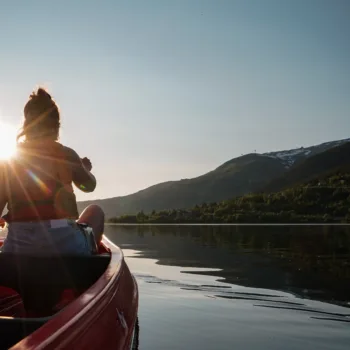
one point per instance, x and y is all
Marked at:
(320, 200)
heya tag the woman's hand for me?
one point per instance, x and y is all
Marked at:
(87, 163)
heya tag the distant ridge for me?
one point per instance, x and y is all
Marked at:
(238, 176)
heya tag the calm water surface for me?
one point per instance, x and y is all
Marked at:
(240, 287)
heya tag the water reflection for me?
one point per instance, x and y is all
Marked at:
(308, 261)
(239, 287)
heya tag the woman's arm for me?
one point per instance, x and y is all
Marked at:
(82, 177)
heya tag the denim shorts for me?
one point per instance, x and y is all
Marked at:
(44, 238)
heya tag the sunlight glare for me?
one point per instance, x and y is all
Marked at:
(7, 140)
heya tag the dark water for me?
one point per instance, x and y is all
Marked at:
(240, 287)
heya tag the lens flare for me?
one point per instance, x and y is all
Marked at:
(39, 182)
(7, 140)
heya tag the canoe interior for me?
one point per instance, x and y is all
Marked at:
(34, 289)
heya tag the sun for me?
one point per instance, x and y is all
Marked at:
(7, 140)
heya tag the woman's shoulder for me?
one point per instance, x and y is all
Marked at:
(70, 153)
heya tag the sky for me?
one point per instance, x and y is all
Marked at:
(158, 90)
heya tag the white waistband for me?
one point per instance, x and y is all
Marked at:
(56, 223)
(59, 223)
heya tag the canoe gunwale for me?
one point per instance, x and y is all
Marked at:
(71, 323)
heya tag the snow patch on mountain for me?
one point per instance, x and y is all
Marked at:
(289, 157)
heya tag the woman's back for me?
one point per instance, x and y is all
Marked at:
(36, 185)
(39, 182)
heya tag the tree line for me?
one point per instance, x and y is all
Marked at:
(325, 200)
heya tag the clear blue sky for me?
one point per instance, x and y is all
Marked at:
(167, 89)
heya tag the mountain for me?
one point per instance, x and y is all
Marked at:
(236, 177)
(297, 155)
(318, 165)
(325, 199)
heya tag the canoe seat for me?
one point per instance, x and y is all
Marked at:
(13, 330)
(33, 289)
(42, 282)
(11, 304)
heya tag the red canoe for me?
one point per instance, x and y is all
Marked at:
(68, 302)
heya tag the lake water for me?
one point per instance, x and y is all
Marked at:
(240, 287)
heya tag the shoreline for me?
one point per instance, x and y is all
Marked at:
(225, 224)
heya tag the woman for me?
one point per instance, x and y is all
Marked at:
(36, 185)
